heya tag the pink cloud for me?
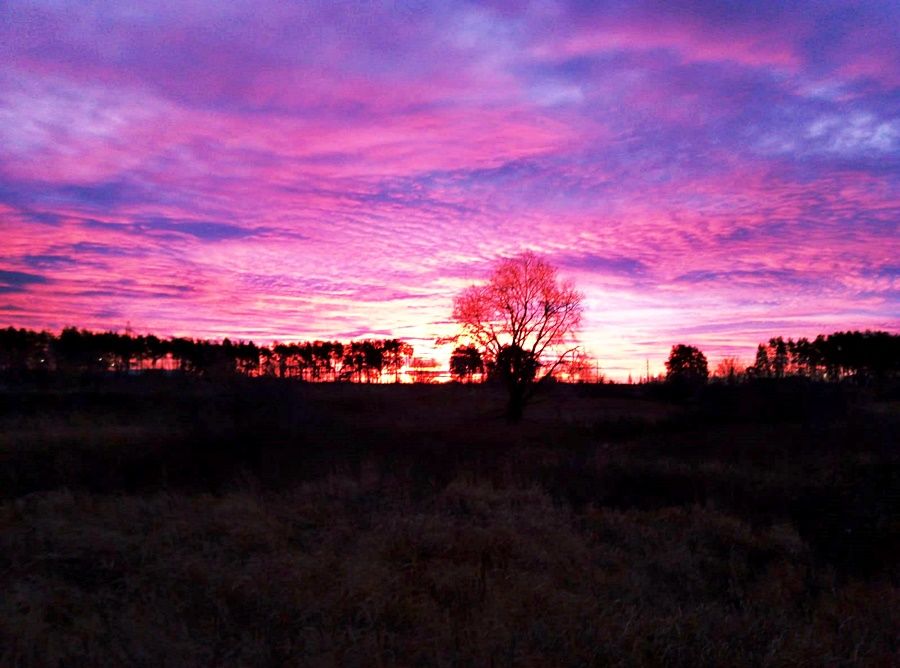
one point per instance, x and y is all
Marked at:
(692, 43)
(291, 172)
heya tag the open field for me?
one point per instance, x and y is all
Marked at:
(167, 521)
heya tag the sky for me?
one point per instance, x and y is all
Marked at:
(712, 174)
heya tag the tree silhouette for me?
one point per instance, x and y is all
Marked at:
(517, 369)
(729, 369)
(865, 358)
(396, 354)
(779, 356)
(686, 366)
(762, 367)
(23, 349)
(522, 318)
(465, 362)
(80, 351)
(580, 368)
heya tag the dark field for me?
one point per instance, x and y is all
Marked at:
(166, 521)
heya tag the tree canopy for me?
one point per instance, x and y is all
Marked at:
(465, 362)
(686, 365)
(523, 318)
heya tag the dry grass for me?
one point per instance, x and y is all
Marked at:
(325, 575)
(454, 543)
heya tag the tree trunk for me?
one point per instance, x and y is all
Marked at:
(516, 404)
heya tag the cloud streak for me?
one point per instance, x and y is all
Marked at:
(285, 171)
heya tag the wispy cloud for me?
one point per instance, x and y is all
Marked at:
(305, 170)
(19, 281)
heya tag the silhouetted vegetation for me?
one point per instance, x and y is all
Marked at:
(522, 319)
(183, 502)
(863, 356)
(466, 363)
(686, 366)
(163, 519)
(79, 351)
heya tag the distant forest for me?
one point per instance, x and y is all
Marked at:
(842, 354)
(838, 356)
(79, 351)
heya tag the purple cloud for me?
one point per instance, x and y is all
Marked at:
(724, 172)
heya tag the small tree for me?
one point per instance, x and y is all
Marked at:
(396, 355)
(730, 369)
(686, 366)
(523, 318)
(762, 367)
(465, 362)
(580, 368)
(779, 356)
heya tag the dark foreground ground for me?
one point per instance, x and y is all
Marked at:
(178, 522)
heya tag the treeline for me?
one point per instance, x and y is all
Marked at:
(82, 351)
(863, 355)
(869, 355)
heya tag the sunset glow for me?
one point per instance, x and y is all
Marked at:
(714, 175)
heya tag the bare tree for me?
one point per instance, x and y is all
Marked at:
(580, 368)
(524, 318)
(730, 369)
